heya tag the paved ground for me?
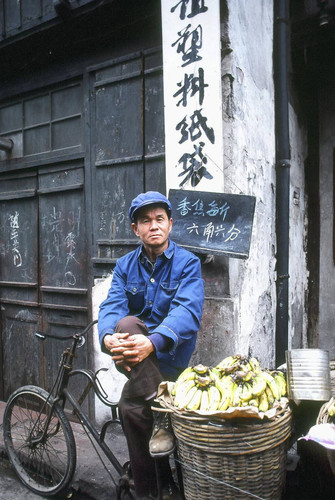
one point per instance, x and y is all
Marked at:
(91, 477)
(11, 487)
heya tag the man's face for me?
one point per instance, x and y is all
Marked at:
(153, 227)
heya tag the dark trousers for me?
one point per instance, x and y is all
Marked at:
(136, 414)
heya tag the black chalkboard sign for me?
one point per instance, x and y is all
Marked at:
(212, 223)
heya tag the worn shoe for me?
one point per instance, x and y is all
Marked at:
(171, 492)
(162, 441)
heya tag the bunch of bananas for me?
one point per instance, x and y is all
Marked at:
(195, 390)
(236, 381)
(250, 384)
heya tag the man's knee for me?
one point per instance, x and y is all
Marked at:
(132, 325)
(126, 324)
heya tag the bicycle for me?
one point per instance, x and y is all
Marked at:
(38, 436)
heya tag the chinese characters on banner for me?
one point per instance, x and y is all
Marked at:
(192, 94)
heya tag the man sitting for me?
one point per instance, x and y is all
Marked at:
(149, 323)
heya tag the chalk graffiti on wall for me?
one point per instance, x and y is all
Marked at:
(14, 238)
(62, 232)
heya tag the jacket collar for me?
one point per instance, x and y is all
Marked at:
(168, 253)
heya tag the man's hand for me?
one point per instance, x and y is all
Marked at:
(128, 351)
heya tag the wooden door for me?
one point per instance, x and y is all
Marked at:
(43, 238)
(127, 155)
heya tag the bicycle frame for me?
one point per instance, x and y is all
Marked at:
(53, 471)
(62, 394)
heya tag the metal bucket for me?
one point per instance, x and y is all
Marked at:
(308, 374)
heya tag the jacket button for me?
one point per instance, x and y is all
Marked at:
(134, 289)
(152, 280)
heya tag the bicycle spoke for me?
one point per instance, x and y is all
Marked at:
(43, 457)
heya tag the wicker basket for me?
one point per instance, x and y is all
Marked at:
(323, 416)
(232, 460)
(332, 377)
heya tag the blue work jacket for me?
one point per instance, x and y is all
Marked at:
(168, 296)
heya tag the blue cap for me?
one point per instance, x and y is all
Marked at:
(148, 198)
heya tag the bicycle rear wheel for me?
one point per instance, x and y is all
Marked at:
(46, 465)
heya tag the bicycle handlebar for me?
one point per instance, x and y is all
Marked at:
(89, 326)
(67, 337)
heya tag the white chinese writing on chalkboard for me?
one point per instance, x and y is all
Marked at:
(212, 222)
(210, 230)
(198, 208)
(211, 208)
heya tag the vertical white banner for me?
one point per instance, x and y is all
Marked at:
(192, 94)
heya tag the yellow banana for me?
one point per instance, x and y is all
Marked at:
(187, 370)
(255, 366)
(217, 371)
(271, 383)
(233, 390)
(270, 397)
(226, 362)
(225, 402)
(229, 362)
(184, 377)
(254, 402)
(281, 381)
(182, 393)
(248, 376)
(215, 377)
(201, 369)
(245, 365)
(226, 388)
(223, 384)
(214, 398)
(263, 402)
(258, 385)
(243, 375)
(189, 396)
(228, 382)
(233, 368)
(246, 392)
(203, 380)
(238, 392)
(195, 401)
(204, 402)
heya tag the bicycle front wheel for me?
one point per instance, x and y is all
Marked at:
(44, 459)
